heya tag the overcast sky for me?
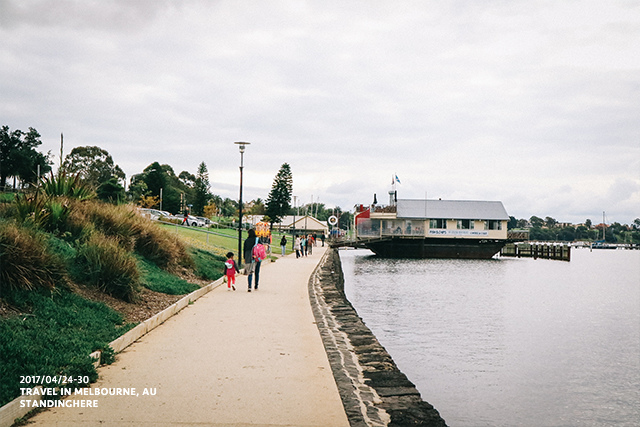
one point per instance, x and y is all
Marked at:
(533, 103)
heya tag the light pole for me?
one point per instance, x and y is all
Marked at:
(293, 225)
(241, 146)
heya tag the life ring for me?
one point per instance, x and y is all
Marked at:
(333, 220)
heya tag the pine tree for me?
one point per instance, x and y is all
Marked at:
(201, 186)
(279, 200)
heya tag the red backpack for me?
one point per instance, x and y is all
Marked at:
(258, 252)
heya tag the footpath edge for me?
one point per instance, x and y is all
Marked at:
(13, 410)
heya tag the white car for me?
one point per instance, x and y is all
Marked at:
(154, 213)
(192, 221)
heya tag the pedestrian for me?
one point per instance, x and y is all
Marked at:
(186, 217)
(298, 246)
(283, 244)
(310, 244)
(254, 253)
(230, 270)
(322, 237)
(303, 245)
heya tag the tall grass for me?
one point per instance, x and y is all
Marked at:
(104, 263)
(25, 261)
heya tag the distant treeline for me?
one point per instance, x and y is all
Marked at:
(551, 229)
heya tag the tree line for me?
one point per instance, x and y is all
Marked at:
(157, 186)
(550, 229)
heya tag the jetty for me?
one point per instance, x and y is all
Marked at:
(535, 250)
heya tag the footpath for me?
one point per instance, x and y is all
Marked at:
(231, 359)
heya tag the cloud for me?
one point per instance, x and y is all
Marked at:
(495, 100)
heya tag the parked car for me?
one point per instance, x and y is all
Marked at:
(192, 221)
(205, 221)
(154, 213)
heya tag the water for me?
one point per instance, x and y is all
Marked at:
(510, 342)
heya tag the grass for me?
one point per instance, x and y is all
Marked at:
(207, 265)
(223, 241)
(54, 335)
(158, 280)
(46, 329)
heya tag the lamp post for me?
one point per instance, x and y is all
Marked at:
(293, 225)
(241, 146)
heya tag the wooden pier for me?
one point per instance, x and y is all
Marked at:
(561, 252)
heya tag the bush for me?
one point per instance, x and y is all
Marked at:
(110, 267)
(63, 184)
(120, 222)
(161, 247)
(25, 261)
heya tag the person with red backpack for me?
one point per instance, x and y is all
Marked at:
(254, 253)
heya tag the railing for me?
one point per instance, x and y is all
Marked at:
(522, 235)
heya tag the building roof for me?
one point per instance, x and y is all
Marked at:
(305, 222)
(451, 209)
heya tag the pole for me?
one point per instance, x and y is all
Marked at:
(241, 147)
(240, 212)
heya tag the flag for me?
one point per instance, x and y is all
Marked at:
(398, 180)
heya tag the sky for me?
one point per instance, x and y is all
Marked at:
(533, 103)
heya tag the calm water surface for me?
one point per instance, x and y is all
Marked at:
(510, 342)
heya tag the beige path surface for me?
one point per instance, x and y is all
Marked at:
(229, 359)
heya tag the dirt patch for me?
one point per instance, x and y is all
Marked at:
(7, 310)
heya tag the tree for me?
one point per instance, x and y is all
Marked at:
(111, 191)
(18, 155)
(256, 207)
(279, 200)
(536, 221)
(94, 165)
(550, 222)
(201, 189)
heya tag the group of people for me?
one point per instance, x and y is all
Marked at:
(303, 245)
(254, 253)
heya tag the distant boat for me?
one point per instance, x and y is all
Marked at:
(602, 244)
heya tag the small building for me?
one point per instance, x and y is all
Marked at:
(303, 224)
(434, 228)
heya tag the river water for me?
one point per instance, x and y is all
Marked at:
(510, 342)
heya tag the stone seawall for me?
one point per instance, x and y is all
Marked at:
(374, 391)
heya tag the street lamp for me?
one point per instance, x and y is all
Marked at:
(241, 146)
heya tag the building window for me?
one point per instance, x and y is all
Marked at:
(438, 223)
(465, 224)
(493, 225)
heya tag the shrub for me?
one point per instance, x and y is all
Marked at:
(36, 209)
(105, 264)
(161, 247)
(63, 184)
(25, 261)
(114, 221)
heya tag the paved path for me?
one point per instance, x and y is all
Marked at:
(230, 359)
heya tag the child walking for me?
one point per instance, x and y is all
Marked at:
(230, 270)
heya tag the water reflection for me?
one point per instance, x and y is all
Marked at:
(509, 342)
